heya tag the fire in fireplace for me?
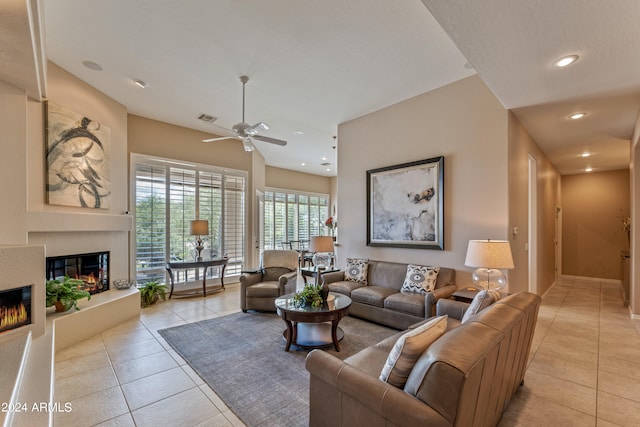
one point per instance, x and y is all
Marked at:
(91, 268)
(15, 308)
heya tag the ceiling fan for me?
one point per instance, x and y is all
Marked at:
(245, 132)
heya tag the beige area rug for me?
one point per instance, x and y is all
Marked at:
(242, 358)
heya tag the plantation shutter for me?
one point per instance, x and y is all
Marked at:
(168, 196)
(150, 223)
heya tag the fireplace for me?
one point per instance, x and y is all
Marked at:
(91, 268)
(15, 308)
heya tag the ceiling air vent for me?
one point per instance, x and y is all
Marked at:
(325, 164)
(207, 118)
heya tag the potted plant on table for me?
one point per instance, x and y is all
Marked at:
(309, 295)
(64, 294)
(150, 292)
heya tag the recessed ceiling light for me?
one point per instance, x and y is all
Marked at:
(328, 169)
(324, 158)
(298, 132)
(588, 169)
(577, 116)
(566, 60)
(303, 164)
(585, 154)
(92, 65)
(141, 83)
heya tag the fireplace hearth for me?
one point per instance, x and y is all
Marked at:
(15, 308)
(91, 268)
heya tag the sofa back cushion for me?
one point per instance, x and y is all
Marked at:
(274, 273)
(446, 276)
(387, 274)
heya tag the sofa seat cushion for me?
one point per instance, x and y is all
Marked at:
(263, 290)
(409, 303)
(372, 295)
(344, 287)
(371, 360)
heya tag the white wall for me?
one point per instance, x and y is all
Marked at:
(69, 230)
(463, 122)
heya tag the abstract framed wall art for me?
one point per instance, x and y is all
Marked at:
(405, 205)
(78, 159)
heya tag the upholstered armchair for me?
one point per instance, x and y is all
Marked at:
(277, 276)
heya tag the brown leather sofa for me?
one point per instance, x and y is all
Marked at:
(465, 378)
(382, 302)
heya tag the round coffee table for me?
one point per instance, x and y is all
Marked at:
(309, 326)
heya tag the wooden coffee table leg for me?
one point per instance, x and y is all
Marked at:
(334, 333)
(290, 332)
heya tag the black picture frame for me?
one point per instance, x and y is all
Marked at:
(405, 205)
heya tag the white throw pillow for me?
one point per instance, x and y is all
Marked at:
(482, 300)
(408, 349)
(420, 279)
(356, 270)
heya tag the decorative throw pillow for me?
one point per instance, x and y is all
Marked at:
(420, 279)
(356, 270)
(407, 350)
(482, 300)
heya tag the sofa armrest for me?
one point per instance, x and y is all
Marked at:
(334, 276)
(452, 308)
(433, 297)
(286, 280)
(248, 279)
(343, 395)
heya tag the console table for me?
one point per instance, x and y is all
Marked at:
(184, 265)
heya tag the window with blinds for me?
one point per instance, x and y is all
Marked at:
(292, 216)
(168, 195)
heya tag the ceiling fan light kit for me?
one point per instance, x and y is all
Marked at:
(245, 132)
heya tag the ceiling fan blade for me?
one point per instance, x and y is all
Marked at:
(270, 140)
(247, 145)
(255, 129)
(219, 139)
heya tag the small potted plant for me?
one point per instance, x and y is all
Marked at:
(309, 295)
(150, 292)
(64, 294)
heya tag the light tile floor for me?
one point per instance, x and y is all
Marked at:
(584, 366)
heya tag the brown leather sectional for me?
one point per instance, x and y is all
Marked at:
(465, 378)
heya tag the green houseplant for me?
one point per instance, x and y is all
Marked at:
(311, 294)
(64, 294)
(150, 292)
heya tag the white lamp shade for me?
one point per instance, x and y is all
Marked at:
(321, 244)
(489, 254)
(199, 227)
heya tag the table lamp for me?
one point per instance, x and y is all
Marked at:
(199, 227)
(322, 248)
(489, 256)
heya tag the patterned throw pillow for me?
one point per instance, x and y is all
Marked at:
(408, 349)
(482, 300)
(356, 270)
(420, 279)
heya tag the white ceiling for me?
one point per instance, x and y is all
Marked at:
(314, 65)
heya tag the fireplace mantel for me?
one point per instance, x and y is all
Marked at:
(43, 221)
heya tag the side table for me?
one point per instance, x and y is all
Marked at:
(314, 272)
(466, 294)
(182, 265)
